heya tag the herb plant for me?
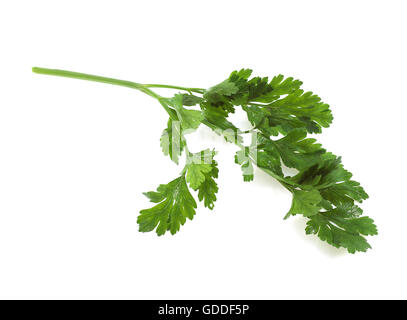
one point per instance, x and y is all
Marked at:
(282, 115)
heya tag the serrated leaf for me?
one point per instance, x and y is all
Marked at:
(215, 119)
(190, 119)
(196, 174)
(341, 228)
(216, 93)
(191, 100)
(175, 205)
(287, 106)
(306, 203)
(172, 141)
(294, 149)
(344, 192)
(332, 180)
(201, 171)
(270, 160)
(208, 188)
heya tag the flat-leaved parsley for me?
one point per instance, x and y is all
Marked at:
(282, 115)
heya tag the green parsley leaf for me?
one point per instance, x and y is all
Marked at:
(219, 98)
(172, 141)
(217, 93)
(332, 180)
(340, 227)
(190, 100)
(190, 119)
(306, 203)
(280, 87)
(215, 119)
(306, 107)
(206, 185)
(175, 205)
(208, 189)
(269, 161)
(295, 151)
(196, 174)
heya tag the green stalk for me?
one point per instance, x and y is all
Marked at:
(117, 82)
(89, 77)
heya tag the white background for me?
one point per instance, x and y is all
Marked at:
(76, 156)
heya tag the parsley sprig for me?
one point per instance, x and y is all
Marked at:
(282, 115)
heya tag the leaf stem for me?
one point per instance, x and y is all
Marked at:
(117, 82)
(89, 77)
